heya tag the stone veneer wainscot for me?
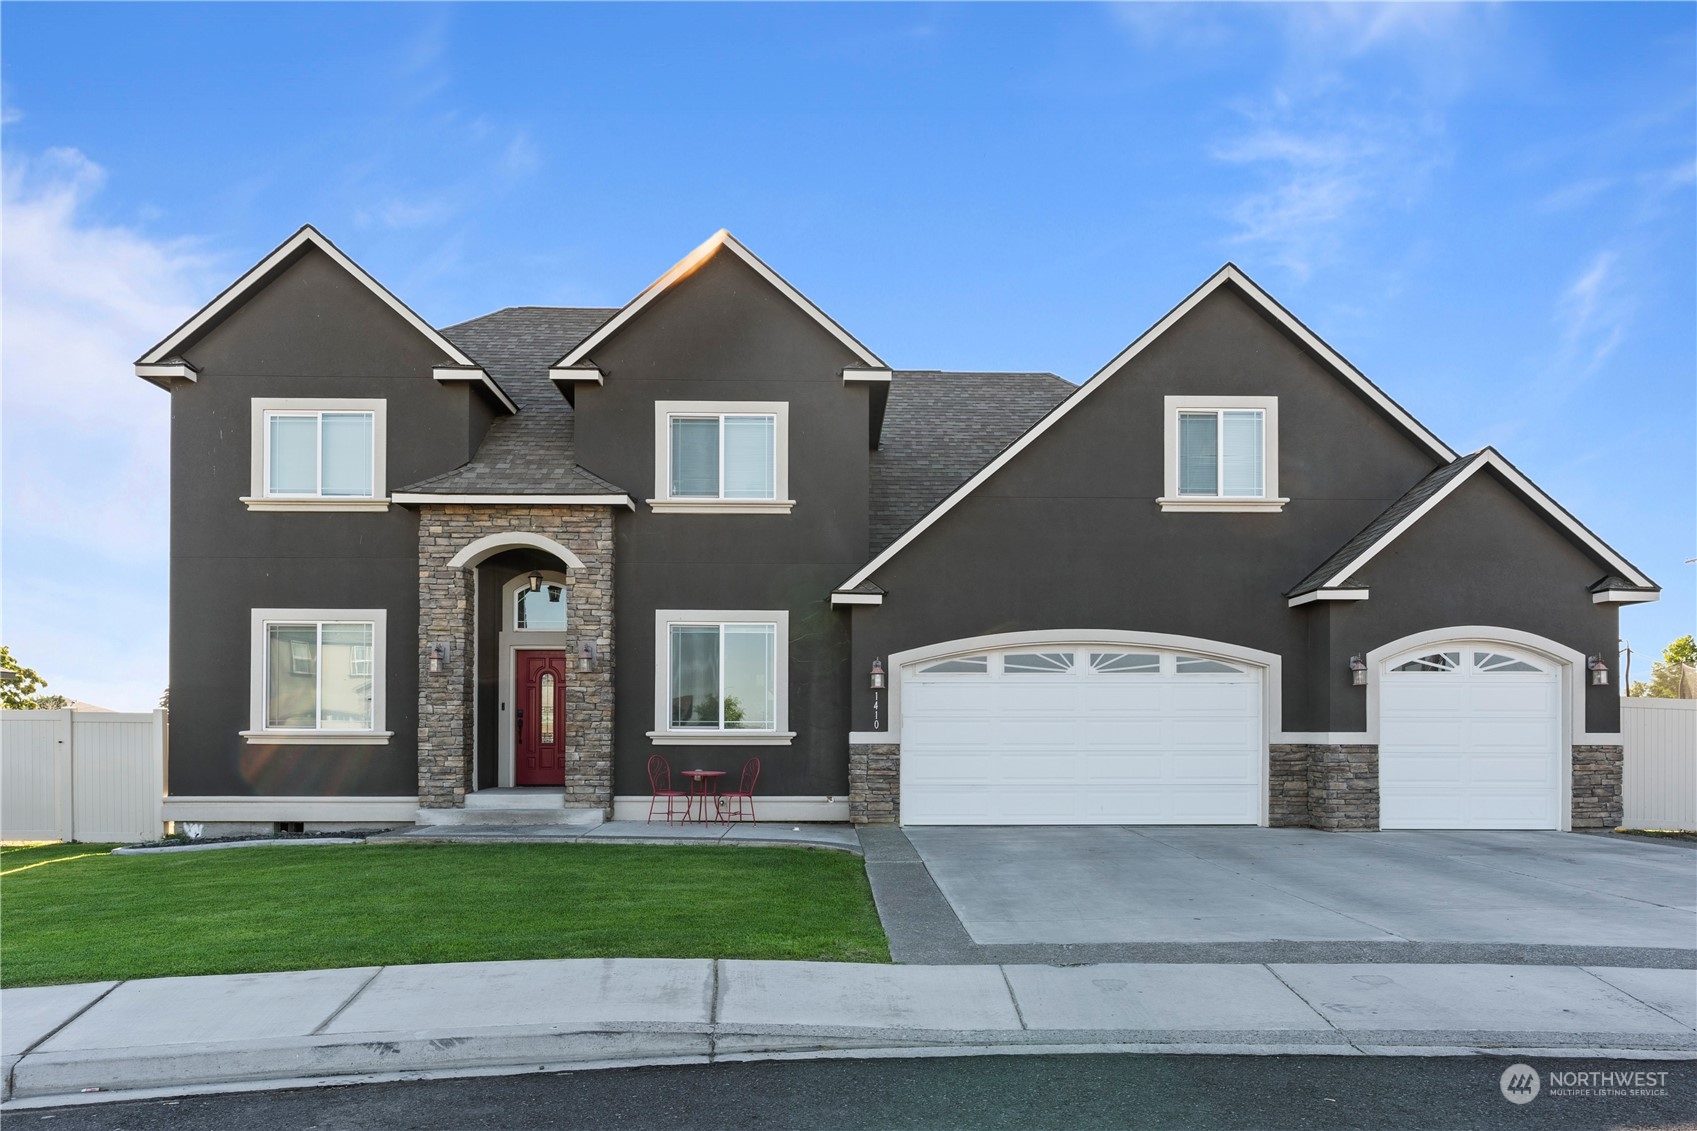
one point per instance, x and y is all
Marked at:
(1597, 787)
(446, 615)
(875, 784)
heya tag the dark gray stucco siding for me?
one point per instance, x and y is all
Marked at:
(726, 334)
(312, 332)
(1481, 557)
(1068, 535)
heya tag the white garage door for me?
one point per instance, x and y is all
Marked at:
(1469, 738)
(1081, 736)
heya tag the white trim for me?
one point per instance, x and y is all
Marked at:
(663, 735)
(664, 503)
(722, 738)
(509, 642)
(1172, 500)
(259, 496)
(491, 544)
(687, 266)
(572, 374)
(854, 373)
(1269, 664)
(1203, 504)
(232, 808)
(447, 373)
(1624, 596)
(1572, 678)
(1228, 273)
(257, 732)
(872, 738)
(770, 810)
(1490, 457)
(255, 275)
(1328, 595)
(857, 598)
(729, 506)
(317, 737)
(164, 373)
(527, 500)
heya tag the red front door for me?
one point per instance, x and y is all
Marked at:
(539, 738)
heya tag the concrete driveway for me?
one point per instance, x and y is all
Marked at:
(1105, 885)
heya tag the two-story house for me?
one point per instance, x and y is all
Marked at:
(1227, 580)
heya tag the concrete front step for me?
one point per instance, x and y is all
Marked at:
(519, 797)
(503, 817)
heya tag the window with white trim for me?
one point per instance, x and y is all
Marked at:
(1222, 454)
(724, 456)
(317, 453)
(540, 610)
(721, 676)
(317, 674)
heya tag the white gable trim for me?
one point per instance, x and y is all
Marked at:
(684, 268)
(1624, 596)
(1227, 274)
(1490, 457)
(1328, 595)
(461, 366)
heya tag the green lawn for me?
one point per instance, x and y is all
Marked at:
(72, 913)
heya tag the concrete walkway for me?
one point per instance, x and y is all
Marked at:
(179, 1035)
(839, 837)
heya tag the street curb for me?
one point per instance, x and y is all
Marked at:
(48, 1079)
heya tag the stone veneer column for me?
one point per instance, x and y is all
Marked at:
(1596, 787)
(875, 784)
(445, 614)
(1343, 786)
(1287, 785)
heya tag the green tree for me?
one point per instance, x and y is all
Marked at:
(1675, 677)
(18, 684)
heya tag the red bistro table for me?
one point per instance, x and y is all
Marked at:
(703, 787)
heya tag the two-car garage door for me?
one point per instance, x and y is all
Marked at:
(1081, 735)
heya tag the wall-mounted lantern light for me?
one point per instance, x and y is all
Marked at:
(554, 594)
(586, 656)
(535, 581)
(438, 656)
(877, 675)
(1599, 671)
(1357, 671)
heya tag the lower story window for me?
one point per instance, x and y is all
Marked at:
(317, 672)
(722, 674)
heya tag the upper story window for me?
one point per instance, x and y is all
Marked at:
(721, 457)
(1222, 453)
(310, 454)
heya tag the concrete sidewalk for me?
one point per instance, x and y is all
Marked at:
(840, 838)
(179, 1035)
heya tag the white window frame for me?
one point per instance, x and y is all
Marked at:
(260, 733)
(259, 497)
(663, 734)
(664, 503)
(1269, 499)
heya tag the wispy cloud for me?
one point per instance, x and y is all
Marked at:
(86, 443)
(1593, 313)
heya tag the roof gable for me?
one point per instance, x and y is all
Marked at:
(163, 362)
(1335, 573)
(1229, 275)
(721, 240)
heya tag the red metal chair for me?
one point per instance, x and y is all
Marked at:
(744, 792)
(660, 781)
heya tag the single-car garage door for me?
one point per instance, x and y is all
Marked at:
(1469, 738)
(1081, 736)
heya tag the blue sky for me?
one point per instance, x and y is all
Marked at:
(1488, 209)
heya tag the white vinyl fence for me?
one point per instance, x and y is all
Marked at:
(1660, 775)
(82, 775)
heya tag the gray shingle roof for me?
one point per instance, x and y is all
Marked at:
(942, 427)
(531, 453)
(1374, 531)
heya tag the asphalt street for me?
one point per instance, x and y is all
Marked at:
(1200, 1093)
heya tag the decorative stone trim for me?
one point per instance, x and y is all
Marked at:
(1596, 786)
(1287, 785)
(875, 783)
(445, 615)
(1343, 786)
